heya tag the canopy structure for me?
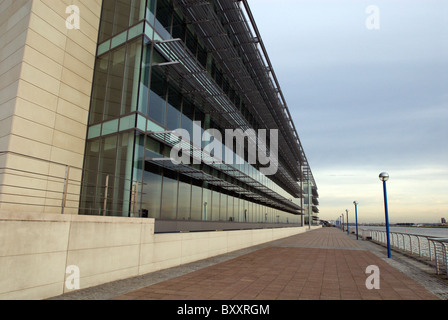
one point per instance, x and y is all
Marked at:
(229, 32)
(247, 186)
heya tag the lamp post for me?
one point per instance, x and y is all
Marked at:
(348, 228)
(356, 217)
(342, 215)
(384, 176)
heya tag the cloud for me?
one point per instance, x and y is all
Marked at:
(415, 194)
(366, 101)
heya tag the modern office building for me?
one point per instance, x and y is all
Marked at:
(164, 65)
(162, 109)
(105, 99)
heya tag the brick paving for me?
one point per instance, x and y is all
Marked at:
(324, 264)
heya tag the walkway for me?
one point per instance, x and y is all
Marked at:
(323, 264)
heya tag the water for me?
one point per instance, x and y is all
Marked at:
(417, 244)
(430, 232)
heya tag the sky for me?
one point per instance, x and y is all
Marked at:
(368, 92)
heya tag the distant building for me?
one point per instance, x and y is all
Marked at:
(443, 220)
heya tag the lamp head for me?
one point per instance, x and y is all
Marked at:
(384, 176)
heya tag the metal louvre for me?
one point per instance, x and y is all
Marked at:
(243, 63)
(273, 82)
(197, 77)
(197, 155)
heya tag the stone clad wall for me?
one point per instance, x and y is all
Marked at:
(47, 72)
(37, 251)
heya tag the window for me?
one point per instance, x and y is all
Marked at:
(150, 10)
(131, 78)
(216, 203)
(196, 200)
(163, 18)
(188, 116)
(115, 84)
(137, 11)
(99, 89)
(123, 174)
(223, 206)
(173, 114)
(118, 15)
(90, 199)
(207, 203)
(169, 195)
(157, 98)
(152, 190)
(184, 199)
(179, 27)
(106, 171)
(144, 84)
(107, 20)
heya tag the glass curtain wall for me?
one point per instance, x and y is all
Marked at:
(120, 178)
(108, 187)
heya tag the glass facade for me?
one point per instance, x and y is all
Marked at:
(137, 99)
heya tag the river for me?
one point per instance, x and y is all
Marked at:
(431, 232)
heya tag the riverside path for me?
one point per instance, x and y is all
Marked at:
(322, 264)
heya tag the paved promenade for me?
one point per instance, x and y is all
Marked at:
(324, 264)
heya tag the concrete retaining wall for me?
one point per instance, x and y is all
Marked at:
(41, 254)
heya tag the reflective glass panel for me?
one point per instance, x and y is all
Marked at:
(157, 96)
(183, 210)
(173, 114)
(207, 204)
(115, 84)
(152, 190)
(107, 19)
(99, 89)
(131, 77)
(216, 205)
(196, 201)
(169, 195)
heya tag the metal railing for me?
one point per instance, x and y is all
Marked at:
(428, 248)
(32, 184)
(27, 181)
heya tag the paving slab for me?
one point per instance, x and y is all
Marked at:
(323, 264)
